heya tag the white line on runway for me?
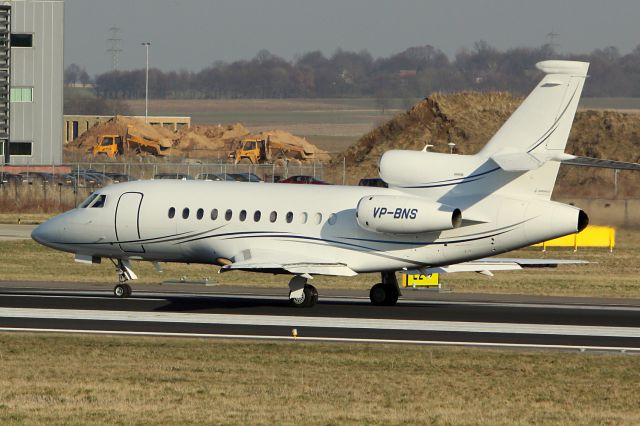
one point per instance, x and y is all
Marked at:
(324, 339)
(154, 295)
(323, 322)
(87, 295)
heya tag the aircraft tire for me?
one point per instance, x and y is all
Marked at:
(378, 294)
(122, 290)
(308, 298)
(383, 295)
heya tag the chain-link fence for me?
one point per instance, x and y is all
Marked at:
(50, 188)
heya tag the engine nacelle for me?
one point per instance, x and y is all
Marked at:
(405, 215)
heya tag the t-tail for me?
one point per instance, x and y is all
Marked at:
(522, 158)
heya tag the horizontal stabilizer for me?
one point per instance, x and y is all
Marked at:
(516, 162)
(596, 162)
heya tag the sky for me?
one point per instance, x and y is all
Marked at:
(193, 34)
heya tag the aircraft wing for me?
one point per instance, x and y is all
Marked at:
(486, 265)
(262, 260)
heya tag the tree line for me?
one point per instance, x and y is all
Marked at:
(416, 72)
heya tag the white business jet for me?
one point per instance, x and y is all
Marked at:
(441, 212)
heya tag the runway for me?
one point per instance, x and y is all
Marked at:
(420, 318)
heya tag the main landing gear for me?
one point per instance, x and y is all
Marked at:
(301, 294)
(385, 293)
(125, 273)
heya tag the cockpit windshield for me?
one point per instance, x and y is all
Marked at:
(88, 201)
(93, 201)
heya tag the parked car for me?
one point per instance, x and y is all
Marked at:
(377, 182)
(120, 177)
(304, 180)
(215, 176)
(39, 178)
(178, 176)
(6, 177)
(245, 177)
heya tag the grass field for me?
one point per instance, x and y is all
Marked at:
(609, 275)
(61, 379)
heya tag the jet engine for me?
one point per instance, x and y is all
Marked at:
(405, 215)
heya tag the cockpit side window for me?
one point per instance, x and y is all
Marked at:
(88, 201)
(99, 201)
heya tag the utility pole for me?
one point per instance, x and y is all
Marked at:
(146, 44)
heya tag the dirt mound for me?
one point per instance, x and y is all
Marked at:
(119, 125)
(470, 119)
(209, 141)
(198, 142)
(287, 138)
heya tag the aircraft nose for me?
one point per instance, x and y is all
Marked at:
(42, 233)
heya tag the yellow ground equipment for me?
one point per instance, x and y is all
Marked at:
(420, 280)
(255, 150)
(114, 145)
(591, 236)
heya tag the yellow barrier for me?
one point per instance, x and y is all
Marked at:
(420, 280)
(591, 236)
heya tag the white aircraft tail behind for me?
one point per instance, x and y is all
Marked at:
(522, 158)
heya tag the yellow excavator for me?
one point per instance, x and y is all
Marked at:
(112, 146)
(256, 150)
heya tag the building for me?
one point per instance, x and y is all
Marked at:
(31, 81)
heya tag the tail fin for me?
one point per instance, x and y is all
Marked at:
(538, 130)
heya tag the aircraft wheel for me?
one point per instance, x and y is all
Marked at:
(383, 295)
(122, 290)
(378, 294)
(308, 298)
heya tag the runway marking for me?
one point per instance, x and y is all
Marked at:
(155, 296)
(321, 322)
(581, 348)
(64, 296)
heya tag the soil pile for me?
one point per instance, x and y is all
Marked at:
(470, 119)
(198, 142)
(119, 125)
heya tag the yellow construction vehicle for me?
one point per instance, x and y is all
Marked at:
(256, 150)
(113, 145)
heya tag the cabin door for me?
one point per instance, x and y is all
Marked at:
(128, 222)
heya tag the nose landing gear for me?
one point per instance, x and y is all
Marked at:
(125, 273)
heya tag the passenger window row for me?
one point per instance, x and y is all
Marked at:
(303, 217)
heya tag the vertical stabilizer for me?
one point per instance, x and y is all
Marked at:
(538, 130)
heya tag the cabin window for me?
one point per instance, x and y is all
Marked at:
(172, 212)
(256, 216)
(289, 217)
(333, 218)
(228, 215)
(200, 214)
(185, 213)
(318, 218)
(273, 217)
(98, 202)
(304, 216)
(243, 215)
(214, 214)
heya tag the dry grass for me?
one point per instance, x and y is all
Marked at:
(125, 380)
(609, 275)
(38, 198)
